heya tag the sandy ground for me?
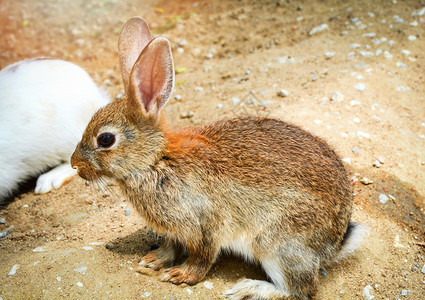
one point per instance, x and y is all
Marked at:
(233, 58)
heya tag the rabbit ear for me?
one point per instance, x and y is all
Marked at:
(134, 37)
(152, 77)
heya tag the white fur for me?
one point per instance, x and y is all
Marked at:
(274, 271)
(45, 105)
(353, 242)
(240, 246)
(254, 289)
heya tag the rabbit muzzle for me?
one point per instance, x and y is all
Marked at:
(84, 168)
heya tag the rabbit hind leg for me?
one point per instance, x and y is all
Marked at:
(292, 277)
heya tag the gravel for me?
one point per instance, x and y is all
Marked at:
(337, 97)
(383, 198)
(360, 87)
(318, 29)
(13, 270)
(283, 93)
(367, 293)
(208, 285)
(81, 270)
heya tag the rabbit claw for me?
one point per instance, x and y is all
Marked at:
(178, 275)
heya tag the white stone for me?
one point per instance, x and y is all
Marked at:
(81, 270)
(347, 160)
(383, 198)
(145, 294)
(337, 96)
(208, 285)
(13, 270)
(318, 29)
(367, 293)
(360, 87)
(283, 93)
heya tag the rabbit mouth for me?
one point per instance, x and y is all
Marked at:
(86, 172)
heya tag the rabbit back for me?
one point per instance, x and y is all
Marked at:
(45, 104)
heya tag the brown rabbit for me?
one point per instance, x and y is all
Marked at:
(258, 187)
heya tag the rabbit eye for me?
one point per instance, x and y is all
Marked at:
(106, 140)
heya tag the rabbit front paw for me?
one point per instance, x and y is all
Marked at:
(54, 178)
(182, 274)
(153, 261)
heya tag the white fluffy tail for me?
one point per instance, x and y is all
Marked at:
(353, 239)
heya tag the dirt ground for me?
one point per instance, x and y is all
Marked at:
(359, 83)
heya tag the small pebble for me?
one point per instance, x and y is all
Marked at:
(376, 164)
(219, 106)
(189, 291)
(411, 38)
(2, 221)
(96, 243)
(58, 278)
(356, 120)
(383, 198)
(127, 212)
(13, 270)
(283, 93)
(367, 292)
(329, 54)
(6, 231)
(366, 181)
(401, 65)
(265, 103)
(363, 134)
(208, 285)
(347, 160)
(235, 100)
(360, 87)
(145, 294)
(38, 249)
(187, 115)
(87, 248)
(401, 88)
(81, 270)
(79, 284)
(199, 89)
(318, 29)
(371, 34)
(404, 292)
(110, 246)
(406, 52)
(178, 97)
(388, 55)
(356, 150)
(337, 96)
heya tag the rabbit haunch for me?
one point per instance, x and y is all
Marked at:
(260, 187)
(45, 105)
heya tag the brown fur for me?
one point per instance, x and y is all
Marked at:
(261, 187)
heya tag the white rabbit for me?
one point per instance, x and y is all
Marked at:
(45, 105)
